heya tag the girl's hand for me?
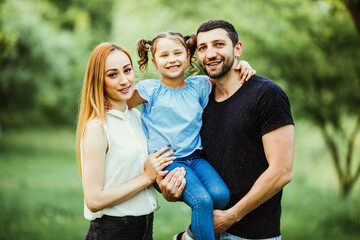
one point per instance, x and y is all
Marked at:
(107, 105)
(246, 71)
(157, 161)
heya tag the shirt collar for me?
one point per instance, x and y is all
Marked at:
(120, 114)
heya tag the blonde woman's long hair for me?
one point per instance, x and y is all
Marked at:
(92, 96)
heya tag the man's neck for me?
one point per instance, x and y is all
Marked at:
(227, 85)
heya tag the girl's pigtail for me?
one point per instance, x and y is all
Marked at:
(190, 41)
(143, 48)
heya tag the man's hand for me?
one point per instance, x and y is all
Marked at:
(172, 185)
(222, 221)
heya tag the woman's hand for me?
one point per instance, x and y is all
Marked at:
(157, 161)
(246, 71)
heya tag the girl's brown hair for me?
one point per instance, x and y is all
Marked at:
(144, 46)
(92, 96)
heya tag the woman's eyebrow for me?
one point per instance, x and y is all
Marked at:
(111, 69)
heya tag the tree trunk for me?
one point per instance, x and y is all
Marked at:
(346, 187)
(354, 8)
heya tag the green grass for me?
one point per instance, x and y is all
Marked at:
(41, 193)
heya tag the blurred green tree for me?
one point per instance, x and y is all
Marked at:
(354, 8)
(44, 47)
(309, 47)
(315, 49)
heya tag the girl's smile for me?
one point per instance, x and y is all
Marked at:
(173, 67)
(171, 59)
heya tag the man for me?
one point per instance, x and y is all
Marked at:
(247, 136)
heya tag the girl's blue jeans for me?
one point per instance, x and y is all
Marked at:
(204, 191)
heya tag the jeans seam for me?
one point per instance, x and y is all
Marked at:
(197, 212)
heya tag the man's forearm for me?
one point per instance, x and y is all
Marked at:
(266, 186)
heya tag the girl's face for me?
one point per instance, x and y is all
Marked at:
(170, 58)
(119, 77)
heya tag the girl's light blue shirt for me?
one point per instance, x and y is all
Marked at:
(174, 116)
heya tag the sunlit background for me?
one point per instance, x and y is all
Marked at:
(310, 48)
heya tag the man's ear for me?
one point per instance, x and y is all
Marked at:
(238, 49)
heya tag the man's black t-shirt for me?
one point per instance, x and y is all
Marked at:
(232, 140)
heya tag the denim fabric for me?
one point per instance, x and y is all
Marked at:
(124, 228)
(204, 191)
(228, 236)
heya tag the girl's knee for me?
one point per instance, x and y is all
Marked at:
(204, 201)
(220, 197)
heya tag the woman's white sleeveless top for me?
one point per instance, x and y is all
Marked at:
(127, 152)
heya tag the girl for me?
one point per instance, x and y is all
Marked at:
(117, 173)
(171, 115)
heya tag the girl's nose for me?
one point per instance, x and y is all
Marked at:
(172, 58)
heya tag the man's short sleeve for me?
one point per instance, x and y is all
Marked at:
(273, 108)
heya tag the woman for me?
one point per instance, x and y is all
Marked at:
(117, 172)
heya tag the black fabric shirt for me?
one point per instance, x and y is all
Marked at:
(232, 140)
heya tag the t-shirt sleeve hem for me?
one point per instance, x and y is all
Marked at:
(276, 126)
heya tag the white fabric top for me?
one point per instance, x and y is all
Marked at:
(124, 161)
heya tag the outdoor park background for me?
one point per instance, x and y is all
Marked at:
(310, 48)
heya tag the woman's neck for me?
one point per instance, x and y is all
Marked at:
(118, 105)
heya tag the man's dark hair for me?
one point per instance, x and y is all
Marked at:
(213, 24)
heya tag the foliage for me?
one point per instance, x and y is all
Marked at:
(44, 47)
(314, 51)
(308, 47)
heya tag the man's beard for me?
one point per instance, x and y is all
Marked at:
(227, 65)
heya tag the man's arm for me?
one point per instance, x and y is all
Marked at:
(279, 146)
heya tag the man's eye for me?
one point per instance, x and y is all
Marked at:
(201, 48)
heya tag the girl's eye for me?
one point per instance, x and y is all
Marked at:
(201, 48)
(163, 55)
(112, 74)
(219, 44)
(178, 53)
